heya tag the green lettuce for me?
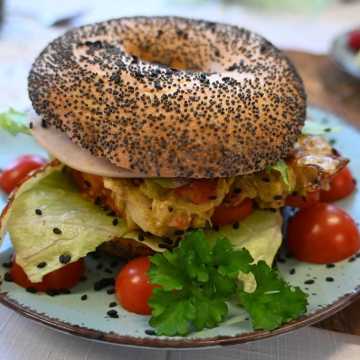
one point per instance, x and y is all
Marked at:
(14, 122)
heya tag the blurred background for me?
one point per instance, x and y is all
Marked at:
(27, 26)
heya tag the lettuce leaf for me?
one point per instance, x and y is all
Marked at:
(14, 122)
(83, 225)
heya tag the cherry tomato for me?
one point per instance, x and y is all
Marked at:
(63, 278)
(354, 40)
(322, 233)
(18, 170)
(341, 186)
(133, 287)
(224, 215)
(298, 201)
(198, 191)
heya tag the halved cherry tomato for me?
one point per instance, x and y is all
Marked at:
(18, 170)
(341, 186)
(224, 215)
(63, 278)
(133, 287)
(198, 191)
(298, 201)
(322, 233)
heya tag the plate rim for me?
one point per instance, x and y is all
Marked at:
(185, 343)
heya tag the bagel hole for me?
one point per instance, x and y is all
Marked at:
(170, 59)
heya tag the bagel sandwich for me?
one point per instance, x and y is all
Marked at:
(157, 126)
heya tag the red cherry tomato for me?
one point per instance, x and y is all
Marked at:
(133, 287)
(224, 215)
(198, 191)
(341, 186)
(298, 201)
(354, 40)
(322, 234)
(18, 170)
(63, 278)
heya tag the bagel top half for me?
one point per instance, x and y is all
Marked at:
(171, 97)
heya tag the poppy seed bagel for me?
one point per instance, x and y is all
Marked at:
(171, 97)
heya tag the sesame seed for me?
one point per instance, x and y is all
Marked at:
(84, 297)
(38, 212)
(41, 265)
(64, 258)
(57, 231)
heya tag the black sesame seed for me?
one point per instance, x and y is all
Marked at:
(327, 129)
(329, 279)
(150, 332)
(113, 314)
(309, 282)
(57, 231)
(115, 222)
(170, 209)
(64, 258)
(53, 292)
(84, 297)
(8, 277)
(329, 266)
(31, 290)
(41, 265)
(38, 212)
(7, 265)
(141, 237)
(112, 304)
(110, 291)
(167, 241)
(281, 260)
(31, 125)
(358, 255)
(103, 283)
(236, 225)
(264, 179)
(292, 271)
(352, 259)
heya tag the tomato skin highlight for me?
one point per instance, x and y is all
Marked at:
(225, 215)
(300, 202)
(16, 172)
(322, 234)
(341, 186)
(198, 191)
(133, 287)
(64, 278)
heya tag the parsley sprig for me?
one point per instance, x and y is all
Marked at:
(196, 280)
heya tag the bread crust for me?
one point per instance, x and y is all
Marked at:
(171, 97)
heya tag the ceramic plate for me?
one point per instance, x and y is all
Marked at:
(330, 287)
(344, 56)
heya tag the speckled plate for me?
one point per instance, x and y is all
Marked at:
(344, 56)
(330, 287)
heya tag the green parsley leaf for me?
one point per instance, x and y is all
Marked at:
(283, 169)
(14, 122)
(172, 312)
(197, 280)
(312, 127)
(274, 302)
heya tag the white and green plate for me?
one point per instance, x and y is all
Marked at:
(330, 287)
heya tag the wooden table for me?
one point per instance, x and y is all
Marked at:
(335, 91)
